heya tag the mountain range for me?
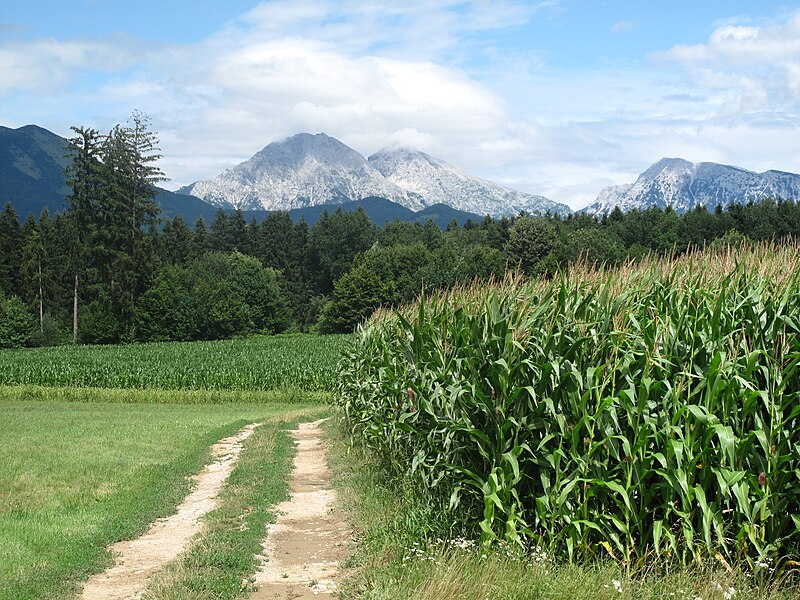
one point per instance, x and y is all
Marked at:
(307, 174)
(683, 185)
(310, 170)
(32, 162)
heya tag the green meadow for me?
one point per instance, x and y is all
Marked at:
(98, 442)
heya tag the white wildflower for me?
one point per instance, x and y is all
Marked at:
(617, 585)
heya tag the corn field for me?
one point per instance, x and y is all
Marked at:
(303, 362)
(649, 411)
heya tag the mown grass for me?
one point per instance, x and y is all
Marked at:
(298, 361)
(407, 549)
(77, 477)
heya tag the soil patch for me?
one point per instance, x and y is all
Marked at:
(304, 547)
(136, 561)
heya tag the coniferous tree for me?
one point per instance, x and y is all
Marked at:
(218, 235)
(33, 259)
(202, 243)
(127, 211)
(112, 208)
(10, 251)
(83, 177)
(176, 242)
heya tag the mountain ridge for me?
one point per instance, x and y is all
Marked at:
(439, 182)
(300, 171)
(308, 169)
(683, 185)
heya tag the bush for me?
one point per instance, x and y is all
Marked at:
(50, 334)
(17, 325)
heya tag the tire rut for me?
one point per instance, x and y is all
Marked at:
(304, 547)
(136, 561)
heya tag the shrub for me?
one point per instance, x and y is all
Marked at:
(16, 323)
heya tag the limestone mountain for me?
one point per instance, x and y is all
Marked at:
(684, 185)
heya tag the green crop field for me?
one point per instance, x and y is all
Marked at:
(647, 413)
(98, 441)
(302, 362)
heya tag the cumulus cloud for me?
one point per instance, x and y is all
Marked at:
(757, 67)
(275, 72)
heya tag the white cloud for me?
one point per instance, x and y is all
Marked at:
(259, 80)
(758, 67)
(621, 26)
(47, 65)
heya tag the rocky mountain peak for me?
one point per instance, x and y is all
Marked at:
(684, 185)
(312, 169)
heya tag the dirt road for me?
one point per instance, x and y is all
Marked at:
(304, 547)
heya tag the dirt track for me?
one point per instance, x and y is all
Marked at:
(137, 560)
(304, 547)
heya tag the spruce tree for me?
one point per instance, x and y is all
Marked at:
(10, 251)
(83, 176)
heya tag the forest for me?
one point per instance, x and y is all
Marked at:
(109, 270)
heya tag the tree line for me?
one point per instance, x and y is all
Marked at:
(108, 270)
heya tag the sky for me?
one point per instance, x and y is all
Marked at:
(554, 97)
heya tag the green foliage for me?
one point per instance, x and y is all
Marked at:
(10, 250)
(50, 333)
(651, 410)
(381, 277)
(396, 275)
(530, 241)
(217, 296)
(334, 242)
(595, 246)
(16, 323)
(407, 549)
(99, 322)
(731, 239)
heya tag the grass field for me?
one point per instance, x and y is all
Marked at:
(297, 362)
(97, 442)
(77, 477)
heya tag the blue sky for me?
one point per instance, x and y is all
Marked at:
(557, 97)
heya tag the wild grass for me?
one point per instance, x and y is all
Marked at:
(298, 361)
(647, 412)
(77, 477)
(408, 549)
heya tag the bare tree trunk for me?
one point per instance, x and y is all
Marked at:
(75, 311)
(41, 301)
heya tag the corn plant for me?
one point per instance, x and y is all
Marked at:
(648, 410)
(301, 362)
